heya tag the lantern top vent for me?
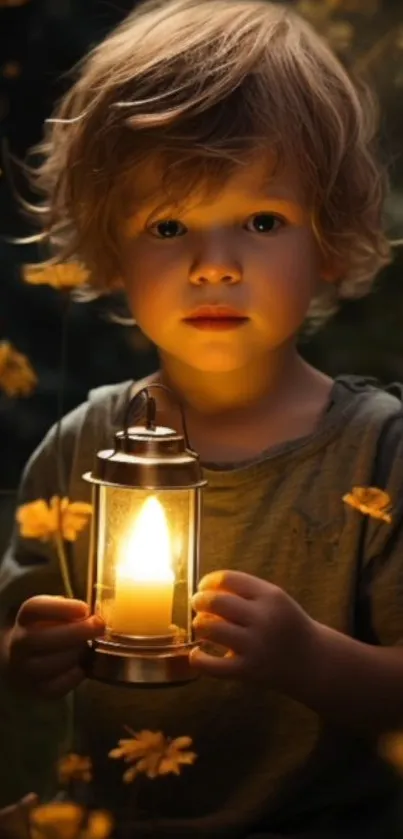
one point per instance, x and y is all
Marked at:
(148, 456)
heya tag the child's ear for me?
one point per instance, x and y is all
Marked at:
(331, 270)
(329, 274)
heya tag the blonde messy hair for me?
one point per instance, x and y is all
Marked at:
(203, 84)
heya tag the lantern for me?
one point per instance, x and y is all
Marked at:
(145, 551)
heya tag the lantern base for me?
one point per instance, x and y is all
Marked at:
(122, 666)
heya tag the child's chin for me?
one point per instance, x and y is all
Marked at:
(218, 360)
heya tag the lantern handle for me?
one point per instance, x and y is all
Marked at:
(150, 408)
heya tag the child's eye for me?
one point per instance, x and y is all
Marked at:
(169, 229)
(264, 223)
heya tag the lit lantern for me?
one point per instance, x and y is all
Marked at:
(144, 552)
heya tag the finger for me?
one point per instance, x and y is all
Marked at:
(221, 632)
(29, 801)
(62, 637)
(54, 665)
(223, 668)
(46, 608)
(228, 606)
(236, 582)
(62, 685)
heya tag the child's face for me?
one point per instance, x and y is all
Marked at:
(249, 248)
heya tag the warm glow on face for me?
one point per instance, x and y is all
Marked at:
(147, 552)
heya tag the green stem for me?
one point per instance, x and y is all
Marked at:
(61, 475)
(61, 555)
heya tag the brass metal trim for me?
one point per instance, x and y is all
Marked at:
(140, 670)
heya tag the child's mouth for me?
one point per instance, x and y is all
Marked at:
(216, 318)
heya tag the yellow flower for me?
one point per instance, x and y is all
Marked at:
(74, 767)
(35, 520)
(99, 826)
(153, 754)
(75, 517)
(63, 275)
(66, 820)
(17, 378)
(58, 819)
(42, 520)
(370, 501)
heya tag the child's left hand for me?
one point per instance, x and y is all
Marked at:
(267, 633)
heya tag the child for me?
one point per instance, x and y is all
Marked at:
(216, 162)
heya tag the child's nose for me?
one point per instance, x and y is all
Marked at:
(215, 273)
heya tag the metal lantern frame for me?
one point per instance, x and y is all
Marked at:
(147, 458)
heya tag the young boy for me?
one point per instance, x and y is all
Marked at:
(216, 161)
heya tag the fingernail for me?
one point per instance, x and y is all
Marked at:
(213, 580)
(193, 655)
(29, 800)
(97, 622)
(201, 600)
(81, 609)
(198, 600)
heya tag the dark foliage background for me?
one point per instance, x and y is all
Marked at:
(40, 40)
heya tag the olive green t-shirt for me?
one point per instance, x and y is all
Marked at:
(265, 763)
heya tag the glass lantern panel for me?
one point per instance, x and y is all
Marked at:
(145, 571)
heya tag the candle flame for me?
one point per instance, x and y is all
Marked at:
(148, 554)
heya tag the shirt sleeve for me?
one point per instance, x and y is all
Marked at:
(380, 584)
(33, 732)
(30, 566)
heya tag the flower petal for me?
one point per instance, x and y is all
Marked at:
(100, 825)
(59, 275)
(17, 377)
(58, 818)
(35, 520)
(130, 775)
(168, 766)
(182, 742)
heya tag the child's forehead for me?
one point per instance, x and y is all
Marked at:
(152, 185)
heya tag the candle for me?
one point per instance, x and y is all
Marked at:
(144, 585)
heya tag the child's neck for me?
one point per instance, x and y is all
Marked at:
(236, 416)
(230, 393)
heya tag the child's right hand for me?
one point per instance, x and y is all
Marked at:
(47, 645)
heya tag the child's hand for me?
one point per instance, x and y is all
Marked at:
(267, 633)
(47, 644)
(14, 818)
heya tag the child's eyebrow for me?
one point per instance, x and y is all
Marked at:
(287, 205)
(280, 200)
(136, 218)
